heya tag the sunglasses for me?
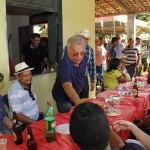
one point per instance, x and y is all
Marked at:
(76, 54)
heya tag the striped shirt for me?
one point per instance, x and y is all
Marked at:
(21, 102)
(131, 55)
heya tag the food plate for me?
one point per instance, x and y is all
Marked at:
(113, 114)
(110, 111)
(108, 100)
(126, 93)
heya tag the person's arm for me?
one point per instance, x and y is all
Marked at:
(138, 59)
(7, 122)
(122, 77)
(139, 134)
(72, 93)
(107, 58)
(21, 117)
(115, 140)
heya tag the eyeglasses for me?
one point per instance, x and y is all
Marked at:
(76, 54)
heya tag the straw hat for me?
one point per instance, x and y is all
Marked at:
(22, 67)
(85, 33)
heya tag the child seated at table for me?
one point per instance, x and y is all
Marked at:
(139, 134)
(89, 129)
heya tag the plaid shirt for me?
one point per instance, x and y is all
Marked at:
(90, 68)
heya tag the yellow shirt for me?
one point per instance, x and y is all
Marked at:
(111, 79)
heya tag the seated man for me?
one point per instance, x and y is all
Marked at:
(22, 98)
(89, 129)
(70, 75)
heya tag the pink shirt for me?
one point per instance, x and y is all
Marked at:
(98, 56)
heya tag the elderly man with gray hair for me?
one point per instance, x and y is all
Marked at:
(70, 75)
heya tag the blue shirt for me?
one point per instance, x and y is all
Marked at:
(2, 113)
(68, 72)
(113, 52)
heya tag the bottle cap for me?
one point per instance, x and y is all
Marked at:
(49, 103)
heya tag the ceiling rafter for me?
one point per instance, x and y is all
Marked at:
(123, 6)
(120, 7)
(106, 1)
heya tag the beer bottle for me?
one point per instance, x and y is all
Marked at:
(31, 143)
(135, 89)
(18, 139)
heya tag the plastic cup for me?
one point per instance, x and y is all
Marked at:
(3, 142)
(63, 131)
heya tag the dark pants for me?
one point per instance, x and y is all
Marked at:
(144, 66)
(64, 107)
(99, 69)
(24, 125)
(85, 91)
(131, 69)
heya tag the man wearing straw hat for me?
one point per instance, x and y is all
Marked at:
(90, 68)
(22, 98)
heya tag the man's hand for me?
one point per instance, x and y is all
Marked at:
(92, 86)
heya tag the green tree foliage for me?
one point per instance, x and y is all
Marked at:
(143, 17)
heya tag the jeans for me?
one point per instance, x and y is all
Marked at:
(64, 107)
(131, 69)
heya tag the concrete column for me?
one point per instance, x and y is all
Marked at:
(131, 26)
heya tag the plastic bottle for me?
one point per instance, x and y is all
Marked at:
(133, 79)
(49, 121)
(31, 143)
(120, 90)
(98, 86)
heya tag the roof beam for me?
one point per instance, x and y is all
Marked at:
(123, 6)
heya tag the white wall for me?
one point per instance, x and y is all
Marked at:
(13, 22)
(77, 14)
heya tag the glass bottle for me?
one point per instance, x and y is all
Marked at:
(17, 132)
(31, 143)
(135, 89)
(49, 122)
